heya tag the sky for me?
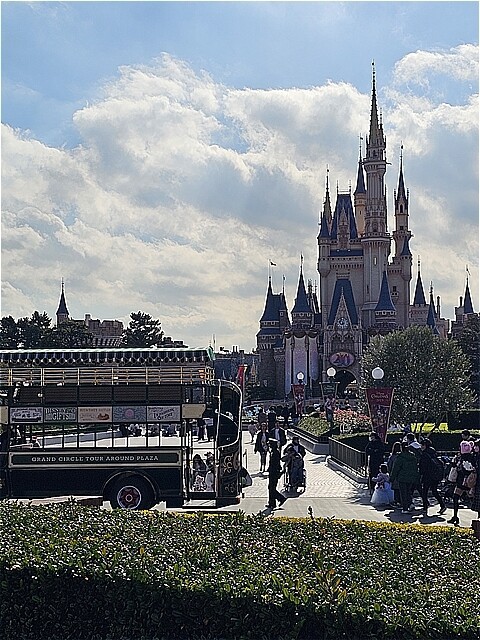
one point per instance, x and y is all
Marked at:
(156, 156)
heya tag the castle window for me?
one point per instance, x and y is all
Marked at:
(375, 261)
(401, 208)
(394, 289)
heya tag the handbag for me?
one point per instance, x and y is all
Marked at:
(453, 474)
(471, 480)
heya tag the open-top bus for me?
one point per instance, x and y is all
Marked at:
(119, 423)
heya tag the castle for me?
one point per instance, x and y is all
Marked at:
(361, 292)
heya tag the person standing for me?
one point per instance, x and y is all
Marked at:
(476, 491)
(431, 472)
(278, 434)
(464, 465)
(271, 418)
(285, 415)
(261, 417)
(405, 471)
(375, 452)
(261, 445)
(274, 474)
(396, 450)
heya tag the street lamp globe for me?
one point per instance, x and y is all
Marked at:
(377, 373)
(300, 377)
(331, 372)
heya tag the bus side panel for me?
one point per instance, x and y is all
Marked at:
(52, 473)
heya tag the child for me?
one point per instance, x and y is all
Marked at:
(383, 493)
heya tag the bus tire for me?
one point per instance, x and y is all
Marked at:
(133, 493)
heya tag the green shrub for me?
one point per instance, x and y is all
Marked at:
(441, 440)
(68, 571)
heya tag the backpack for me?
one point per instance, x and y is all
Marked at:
(436, 466)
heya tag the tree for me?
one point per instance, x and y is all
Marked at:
(35, 330)
(69, 334)
(429, 375)
(142, 331)
(469, 341)
(9, 333)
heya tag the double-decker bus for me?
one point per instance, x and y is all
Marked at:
(135, 426)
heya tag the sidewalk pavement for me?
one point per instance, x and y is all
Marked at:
(331, 494)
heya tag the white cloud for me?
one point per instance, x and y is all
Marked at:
(182, 190)
(421, 67)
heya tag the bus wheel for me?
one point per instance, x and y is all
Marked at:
(131, 493)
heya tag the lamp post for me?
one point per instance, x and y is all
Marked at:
(330, 399)
(378, 373)
(299, 393)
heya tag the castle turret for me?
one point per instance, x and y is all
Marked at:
(375, 239)
(62, 311)
(360, 196)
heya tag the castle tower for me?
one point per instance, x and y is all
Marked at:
(62, 311)
(302, 339)
(375, 239)
(400, 270)
(360, 196)
(385, 312)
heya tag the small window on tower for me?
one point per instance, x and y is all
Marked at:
(401, 208)
(375, 261)
(394, 289)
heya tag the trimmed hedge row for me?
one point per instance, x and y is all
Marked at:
(68, 571)
(441, 440)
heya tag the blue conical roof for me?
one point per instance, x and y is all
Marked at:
(467, 304)
(270, 313)
(385, 300)
(406, 248)
(419, 297)
(62, 305)
(301, 301)
(360, 188)
(431, 315)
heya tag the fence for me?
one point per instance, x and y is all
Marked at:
(348, 456)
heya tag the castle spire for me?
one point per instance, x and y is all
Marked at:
(385, 299)
(374, 124)
(467, 304)
(431, 313)
(419, 297)
(62, 311)
(360, 188)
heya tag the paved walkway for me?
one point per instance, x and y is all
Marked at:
(330, 494)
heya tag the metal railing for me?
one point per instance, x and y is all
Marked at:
(348, 456)
(169, 373)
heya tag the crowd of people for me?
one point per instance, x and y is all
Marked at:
(269, 437)
(414, 466)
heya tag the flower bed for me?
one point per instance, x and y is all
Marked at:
(346, 421)
(74, 572)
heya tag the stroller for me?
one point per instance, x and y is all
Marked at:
(295, 474)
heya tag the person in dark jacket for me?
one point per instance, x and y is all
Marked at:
(278, 434)
(405, 471)
(431, 472)
(274, 474)
(261, 445)
(375, 451)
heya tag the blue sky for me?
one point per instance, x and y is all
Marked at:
(116, 108)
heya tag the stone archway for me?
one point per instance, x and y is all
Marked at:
(344, 378)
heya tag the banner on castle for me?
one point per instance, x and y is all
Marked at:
(379, 406)
(299, 397)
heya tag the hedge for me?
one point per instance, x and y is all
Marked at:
(68, 571)
(441, 440)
